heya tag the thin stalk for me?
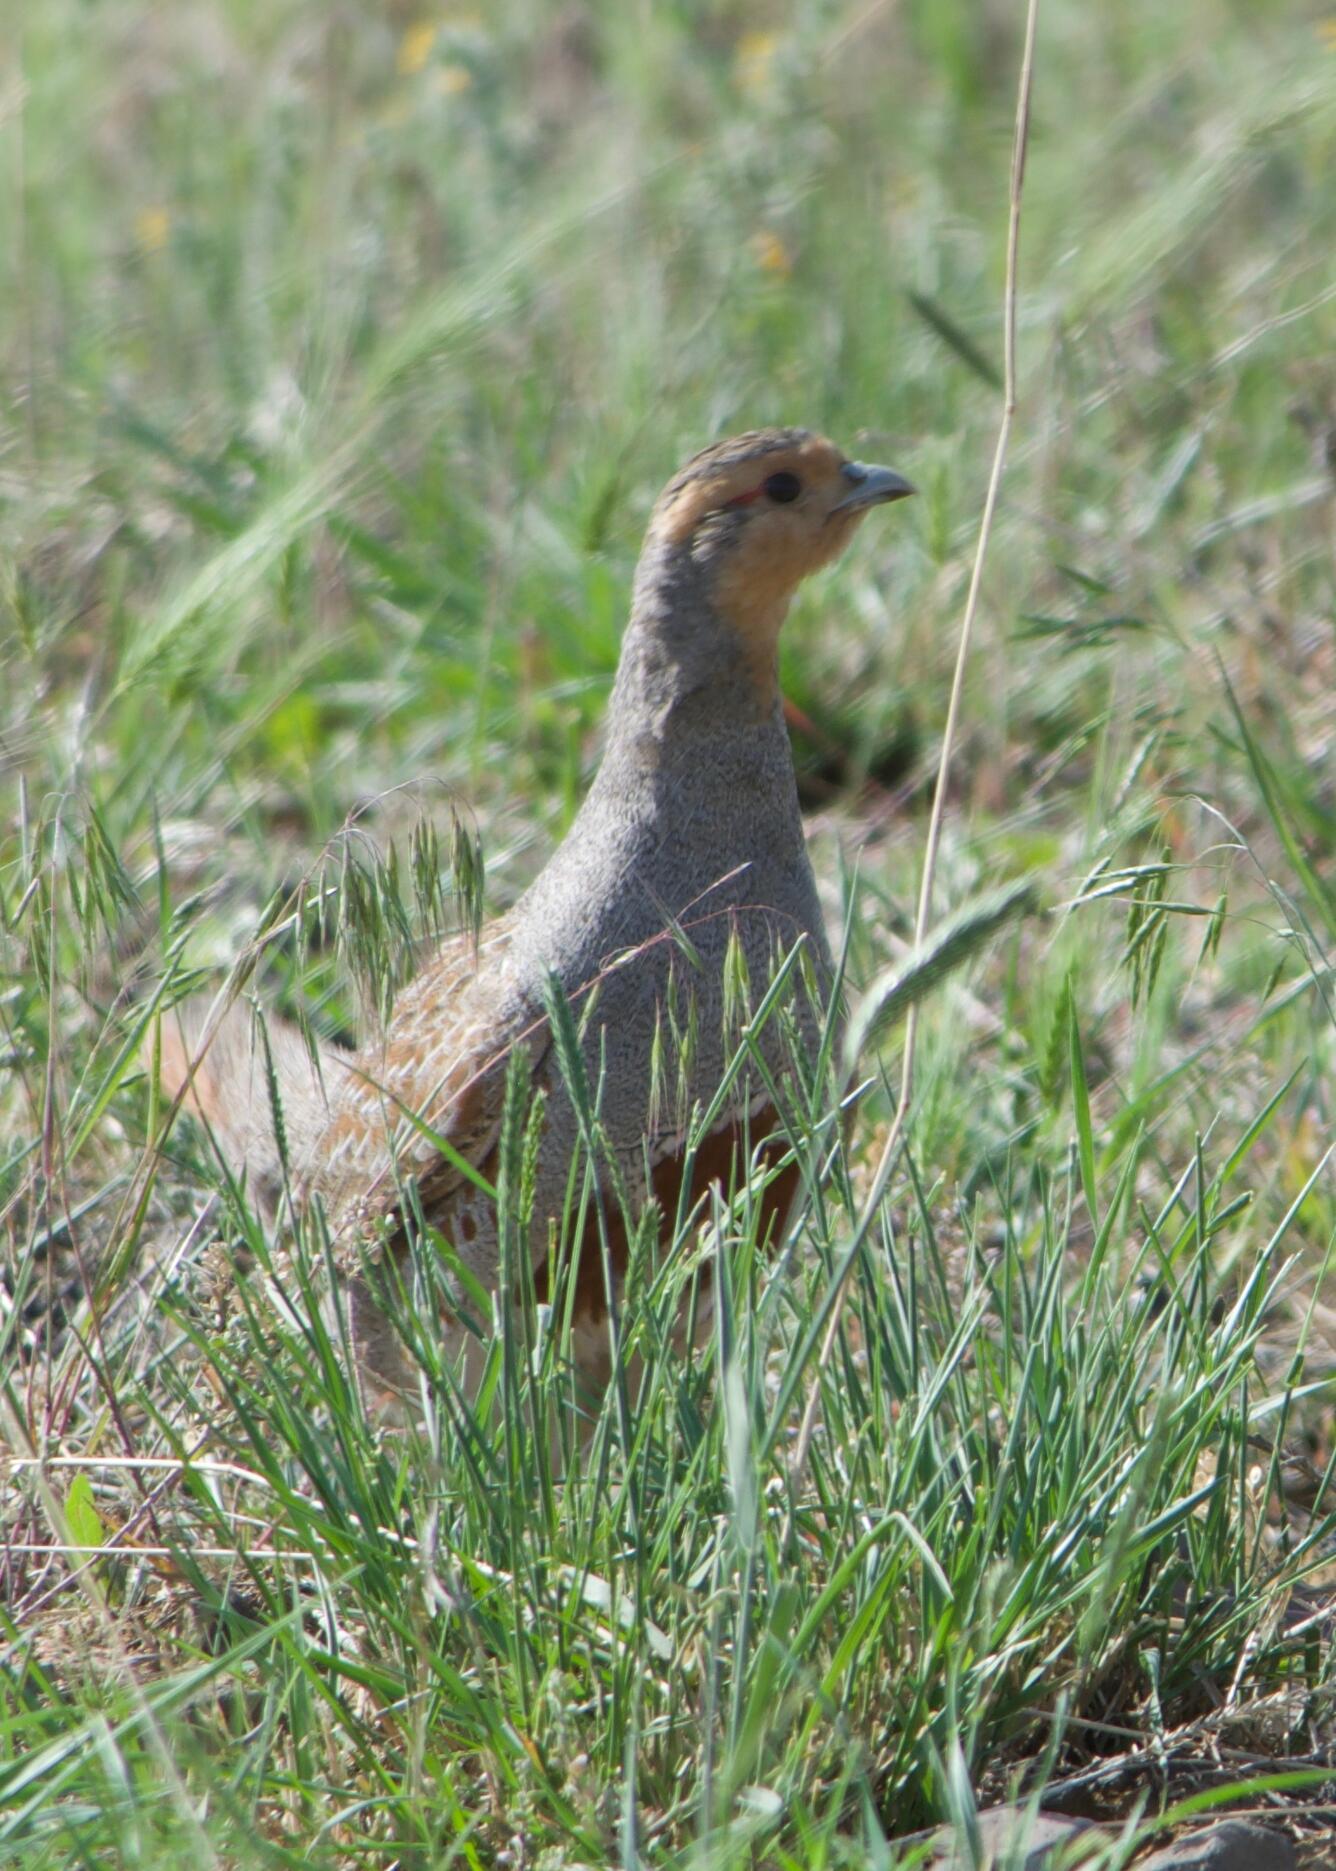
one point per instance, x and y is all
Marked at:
(894, 1137)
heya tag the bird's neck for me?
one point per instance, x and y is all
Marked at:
(695, 793)
(687, 671)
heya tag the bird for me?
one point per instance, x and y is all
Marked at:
(685, 864)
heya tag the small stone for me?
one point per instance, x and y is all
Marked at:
(1233, 1845)
(1017, 1839)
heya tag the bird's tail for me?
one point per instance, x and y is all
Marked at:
(257, 1087)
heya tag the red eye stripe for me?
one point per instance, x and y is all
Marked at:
(746, 500)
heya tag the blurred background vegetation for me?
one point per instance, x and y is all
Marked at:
(347, 347)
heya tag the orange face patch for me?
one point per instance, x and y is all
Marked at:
(783, 535)
(693, 497)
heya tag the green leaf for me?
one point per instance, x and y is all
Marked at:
(955, 338)
(1085, 1142)
(1269, 784)
(81, 1515)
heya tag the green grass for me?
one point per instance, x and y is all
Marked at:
(341, 361)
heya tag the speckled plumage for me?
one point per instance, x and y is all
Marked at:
(690, 836)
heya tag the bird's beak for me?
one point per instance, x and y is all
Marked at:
(870, 487)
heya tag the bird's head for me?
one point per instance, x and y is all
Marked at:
(744, 522)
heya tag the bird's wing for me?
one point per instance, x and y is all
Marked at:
(431, 1094)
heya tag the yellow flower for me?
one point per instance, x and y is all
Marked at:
(1326, 31)
(451, 79)
(770, 252)
(152, 226)
(415, 48)
(753, 58)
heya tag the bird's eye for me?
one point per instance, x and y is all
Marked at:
(783, 487)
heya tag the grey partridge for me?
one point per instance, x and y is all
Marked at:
(686, 857)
